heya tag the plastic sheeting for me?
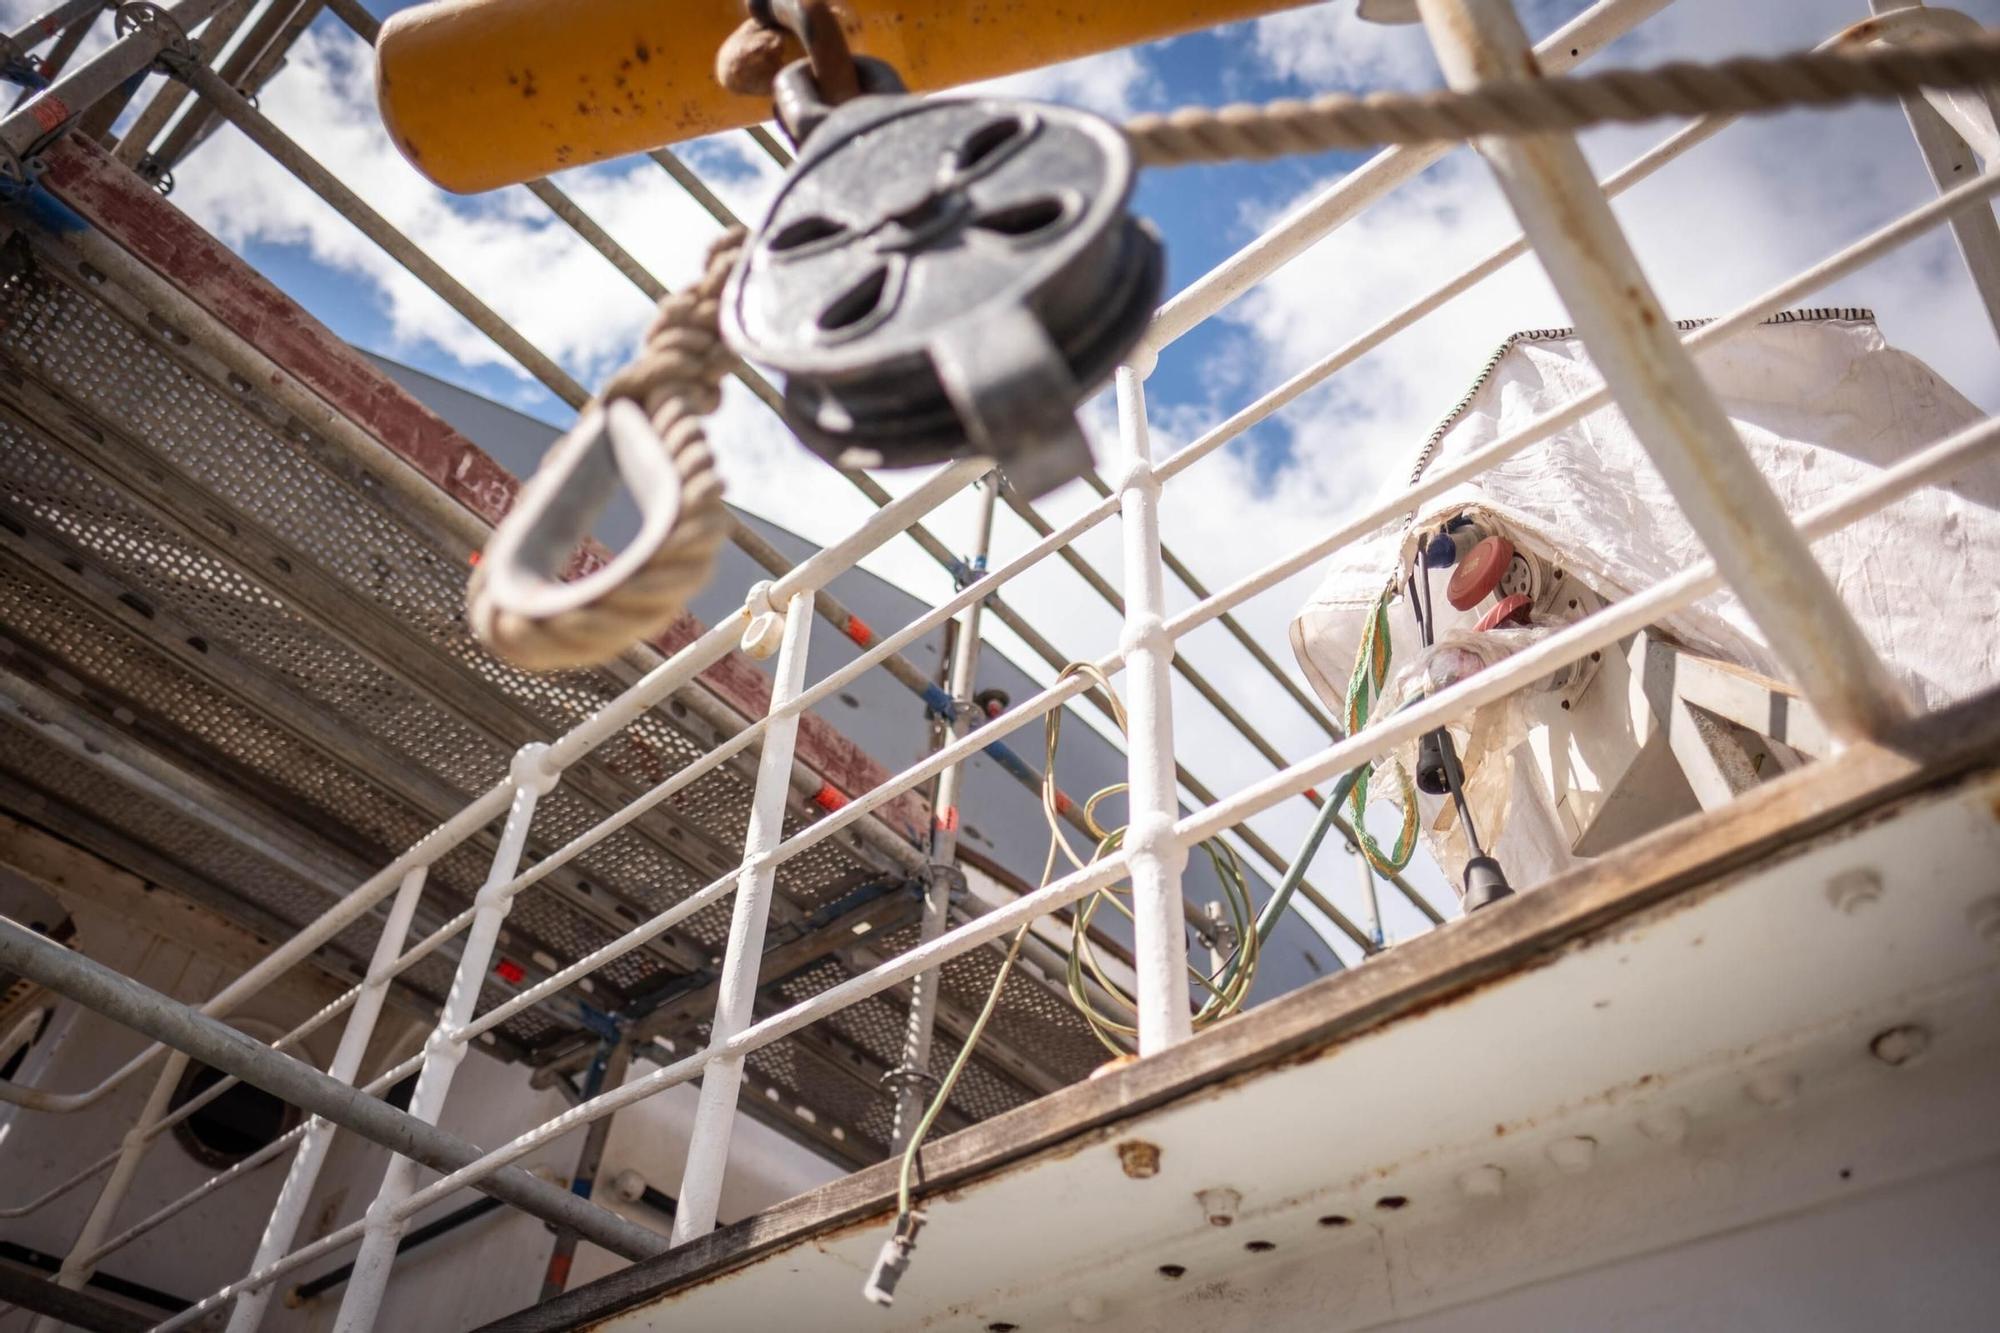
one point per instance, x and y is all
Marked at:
(1821, 401)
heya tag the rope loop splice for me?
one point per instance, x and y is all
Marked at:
(646, 429)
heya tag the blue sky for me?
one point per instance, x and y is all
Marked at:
(1760, 202)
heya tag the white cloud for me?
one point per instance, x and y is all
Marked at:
(1329, 47)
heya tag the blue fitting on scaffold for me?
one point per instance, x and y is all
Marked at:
(939, 704)
(37, 206)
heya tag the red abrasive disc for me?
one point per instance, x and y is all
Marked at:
(1511, 611)
(1479, 573)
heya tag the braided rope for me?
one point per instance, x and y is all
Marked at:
(1535, 106)
(677, 380)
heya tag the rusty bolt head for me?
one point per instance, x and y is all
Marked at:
(1139, 1159)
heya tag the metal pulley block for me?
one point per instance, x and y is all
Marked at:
(945, 277)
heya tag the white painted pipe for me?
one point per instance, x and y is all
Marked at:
(736, 991)
(290, 1208)
(531, 780)
(1157, 858)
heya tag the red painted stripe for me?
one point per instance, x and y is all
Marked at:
(510, 971)
(948, 821)
(828, 797)
(1063, 802)
(857, 630)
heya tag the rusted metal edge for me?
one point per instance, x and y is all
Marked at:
(152, 230)
(1689, 859)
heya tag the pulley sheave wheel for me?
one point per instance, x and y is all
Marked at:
(941, 278)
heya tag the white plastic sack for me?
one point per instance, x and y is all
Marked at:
(1821, 402)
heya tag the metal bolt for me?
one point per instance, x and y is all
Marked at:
(1774, 1089)
(1575, 1155)
(1482, 1182)
(1854, 888)
(1902, 1044)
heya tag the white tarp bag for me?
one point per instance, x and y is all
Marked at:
(1821, 402)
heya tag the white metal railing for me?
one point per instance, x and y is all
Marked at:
(1765, 561)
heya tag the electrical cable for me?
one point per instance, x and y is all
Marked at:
(1228, 986)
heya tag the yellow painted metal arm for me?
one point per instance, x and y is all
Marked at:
(484, 93)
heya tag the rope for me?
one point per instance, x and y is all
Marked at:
(676, 380)
(1535, 106)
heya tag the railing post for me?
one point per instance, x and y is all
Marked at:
(79, 1264)
(1653, 379)
(1157, 857)
(912, 1076)
(736, 996)
(444, 1050)
(290, 1208)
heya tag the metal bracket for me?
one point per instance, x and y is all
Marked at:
(176, 47)
(936, 873)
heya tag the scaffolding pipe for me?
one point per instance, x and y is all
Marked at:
(44, 116)
(65, 46)
(119, 998)
(254, 61)
(913, 1082)
(608, 1070)
(23, 40)
(139, 136)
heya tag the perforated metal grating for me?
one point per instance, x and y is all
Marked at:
(185, 574)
